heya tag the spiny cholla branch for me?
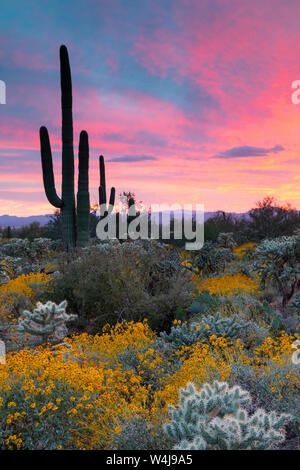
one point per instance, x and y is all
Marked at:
(214, 419)
(47, 322)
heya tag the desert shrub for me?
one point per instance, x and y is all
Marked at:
(72, 397)
(278, 262)
(136, 434)
(184, 334)
(254, 335)
(30, 251)
(205, 303)
(6, 271)
(272, 385)
(216, 418)
(23, 290)
(296, 302)
(292, 322)
(25, 257)
(211, 259)
(213, 360)
(245, 251)
(15, 296)
(129, 281)
(227, 284)
(226, 222)
(226, 240)
(260, 318)
(94, 391)
(269, 219)
(261, 314)
(151, 362)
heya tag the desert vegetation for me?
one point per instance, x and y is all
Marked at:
(102, 343)
(139, 344)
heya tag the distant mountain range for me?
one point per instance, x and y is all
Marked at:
(16, 222)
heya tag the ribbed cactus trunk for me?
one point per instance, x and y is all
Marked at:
(83, 196)
(68, 196)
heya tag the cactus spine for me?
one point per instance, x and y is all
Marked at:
(67, 201)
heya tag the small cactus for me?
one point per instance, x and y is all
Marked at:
(47, 323)
(214, 418)
(186, 335)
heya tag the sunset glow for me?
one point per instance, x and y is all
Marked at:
(189, 101)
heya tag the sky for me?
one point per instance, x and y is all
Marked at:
(189, 101)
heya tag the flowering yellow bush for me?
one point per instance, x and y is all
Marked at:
(201, 363)
(239, 251)
(229, 284)
(80, 394)
(82, 389)
(22, 284)
(22, 287)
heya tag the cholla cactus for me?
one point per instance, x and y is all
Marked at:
(185, 335)
(211, 259)
(226, 240)
(278, 262)
(6, 272)
(214, 419)
(47, 322)
(23, 248)
(296, 302)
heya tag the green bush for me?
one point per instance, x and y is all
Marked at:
(211, 259)
(129, 281)
(226, 240)
(278, 262)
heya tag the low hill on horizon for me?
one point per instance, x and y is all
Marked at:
(16, 222)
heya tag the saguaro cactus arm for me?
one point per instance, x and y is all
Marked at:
(48, 175)
(102, 190)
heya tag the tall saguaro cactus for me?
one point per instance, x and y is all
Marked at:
(73, 231)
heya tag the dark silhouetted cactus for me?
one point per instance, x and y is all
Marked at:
(74, 232)
(83, 196)
(104, 209)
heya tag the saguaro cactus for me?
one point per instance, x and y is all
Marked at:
(104, 209)
(72, 231)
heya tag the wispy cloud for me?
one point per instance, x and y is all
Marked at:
(178, 86)
(133, 158)
(248, 151)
